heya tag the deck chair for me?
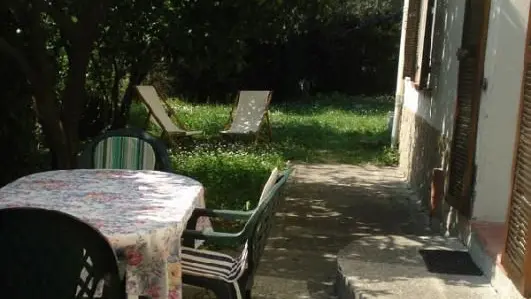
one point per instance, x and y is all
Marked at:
(155, 105)
(247, 118)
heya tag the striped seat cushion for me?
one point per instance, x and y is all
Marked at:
(121, 152)
(215, 265)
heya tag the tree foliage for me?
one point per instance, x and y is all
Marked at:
(80, 60)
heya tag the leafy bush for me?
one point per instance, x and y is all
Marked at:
(351, 47)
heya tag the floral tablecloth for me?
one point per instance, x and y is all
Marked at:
(142, 213)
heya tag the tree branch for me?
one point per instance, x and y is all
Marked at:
(65, 23)
(10, 50)
(37, 47)
(91, 18)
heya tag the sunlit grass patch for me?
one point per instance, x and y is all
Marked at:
(324, 129)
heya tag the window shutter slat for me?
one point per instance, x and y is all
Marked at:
(437, 45)
(424, 43)
(461, 172)
(516, 257)
(410, 46)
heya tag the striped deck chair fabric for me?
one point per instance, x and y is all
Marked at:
(269, 184)
(249, 113)
(122, 152)
(148, 94)
(211, 264)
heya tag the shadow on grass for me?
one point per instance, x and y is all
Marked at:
(233, 174)
(311, 142)
(325, 102)
(316, 143)
(337, 129)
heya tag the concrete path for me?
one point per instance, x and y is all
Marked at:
(352, 231)
(356, 225)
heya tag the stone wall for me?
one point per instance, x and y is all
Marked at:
(419, 153)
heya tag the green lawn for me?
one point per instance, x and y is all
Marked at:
(331, 129)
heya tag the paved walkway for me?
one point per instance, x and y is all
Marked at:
(362, 214)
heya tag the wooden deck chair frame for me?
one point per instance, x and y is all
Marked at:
(265, 122)
(180, 129)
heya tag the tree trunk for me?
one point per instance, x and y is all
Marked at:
(115, 91)
(74, 98)
(121, 115)
(60, 126)
(52, 127)
(56, 139)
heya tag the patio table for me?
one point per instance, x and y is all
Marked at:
(142, 213)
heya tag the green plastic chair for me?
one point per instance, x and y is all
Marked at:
(231, 277)
(51, 254)
(128, 148)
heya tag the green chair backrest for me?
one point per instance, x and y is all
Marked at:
(122, 152)
(273, 178)
(127, 148)
(44, 252)
(259, 225)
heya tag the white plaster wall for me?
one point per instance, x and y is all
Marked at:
(498, 115)
(438, 107)
(499, 108)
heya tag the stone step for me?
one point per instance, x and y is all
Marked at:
(391, 267)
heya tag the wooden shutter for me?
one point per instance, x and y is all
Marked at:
(410, 46)
(461, 173)
(516, 257)
(437, 45)
(424, 43)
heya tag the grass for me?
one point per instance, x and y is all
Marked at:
(324, 129)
